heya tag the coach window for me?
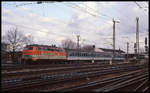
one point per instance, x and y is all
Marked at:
(70, 54)
(76, 54)
(45, 48)
(39, 48)
(104, 55)
(49, 49)
(100, 55)
(89, 54)
(86, 54)
(96, 55)
(30, 48)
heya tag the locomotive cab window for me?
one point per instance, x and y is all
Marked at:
(28, 48)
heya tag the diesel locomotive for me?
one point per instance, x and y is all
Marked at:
(53, 54)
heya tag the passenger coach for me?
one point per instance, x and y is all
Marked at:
(74, 55)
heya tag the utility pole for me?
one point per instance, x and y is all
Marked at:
(135, 48)
(148, 42)
(78, 41)
(78, 46)
(114, 22)
(146, 47)
(127, 50)
(137, 36)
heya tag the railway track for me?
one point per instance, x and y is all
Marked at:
(46, 79)
(16, 68)
(140, 85)
(111, 84)
(16, 75)
(6, 69)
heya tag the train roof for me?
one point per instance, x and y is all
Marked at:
(46, 46)
(80, 50)
(36, 45)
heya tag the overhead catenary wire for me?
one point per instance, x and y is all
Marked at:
(39, 30)
(84, 10)
(89, 12)
(87, 7)
(98, 14)
(109, 17)
(126, 17)
(28, 4)
(34, 29)
(140, 6)
(47, 2)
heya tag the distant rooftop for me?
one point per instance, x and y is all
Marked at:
(111, 50)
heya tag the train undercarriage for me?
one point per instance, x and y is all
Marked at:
(63, 61)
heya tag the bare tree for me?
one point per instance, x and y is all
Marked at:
(68, 43)
(88, 47)
(28, 40)
(17, 40)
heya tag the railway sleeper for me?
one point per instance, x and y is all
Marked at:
(122, 84)
(95, 83)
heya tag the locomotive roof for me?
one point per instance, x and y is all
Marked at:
(52, 46)
(45, 46)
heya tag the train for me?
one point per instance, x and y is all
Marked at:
(53, 54)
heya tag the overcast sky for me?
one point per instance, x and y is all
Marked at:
(51, 22)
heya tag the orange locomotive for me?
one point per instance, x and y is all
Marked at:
(44, 53)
